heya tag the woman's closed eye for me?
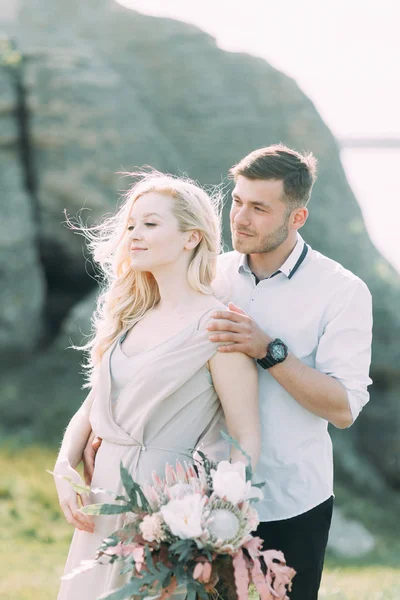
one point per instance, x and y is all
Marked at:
(132, 227)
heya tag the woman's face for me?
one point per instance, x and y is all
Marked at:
(154, 239)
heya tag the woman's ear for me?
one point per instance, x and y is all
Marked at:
(193, 240)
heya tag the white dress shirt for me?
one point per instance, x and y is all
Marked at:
(323, 313)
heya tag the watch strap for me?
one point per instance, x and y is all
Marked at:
(267, 362)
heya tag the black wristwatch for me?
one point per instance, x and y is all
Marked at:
(277, 351)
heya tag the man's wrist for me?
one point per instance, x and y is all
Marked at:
(263, 351)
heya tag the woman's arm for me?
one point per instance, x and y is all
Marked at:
(69, 457)
(76, 435)
(236, 383)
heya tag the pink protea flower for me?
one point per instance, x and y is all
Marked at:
(196, 486)
(180, 472)
(190, 472)
(158, 483)
(151, 495)
(167, 492)
(170, 475)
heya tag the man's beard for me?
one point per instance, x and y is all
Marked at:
(268, 243)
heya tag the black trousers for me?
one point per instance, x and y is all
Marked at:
(303, 541)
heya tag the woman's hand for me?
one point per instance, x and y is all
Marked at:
(89, 456)
(70, 500)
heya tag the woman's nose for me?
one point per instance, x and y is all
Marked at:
(135, 234)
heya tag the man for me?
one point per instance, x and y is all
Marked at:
(307, 321)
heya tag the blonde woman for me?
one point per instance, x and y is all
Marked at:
(158, 384)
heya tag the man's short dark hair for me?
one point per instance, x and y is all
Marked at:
(297, 171)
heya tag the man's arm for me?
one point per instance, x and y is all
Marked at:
(336, 389)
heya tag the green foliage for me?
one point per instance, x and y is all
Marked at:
(133, 587)
(137, 499)
(183, 549)
(105, 509)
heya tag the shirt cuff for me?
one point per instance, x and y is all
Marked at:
(357, 401)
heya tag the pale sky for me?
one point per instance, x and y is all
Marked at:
(345, 54)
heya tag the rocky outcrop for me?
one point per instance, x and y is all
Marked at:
(22, 288)
(349, 538)
(109, 89)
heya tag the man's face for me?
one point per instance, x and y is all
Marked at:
(259, 218)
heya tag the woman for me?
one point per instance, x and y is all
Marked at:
(158, 385)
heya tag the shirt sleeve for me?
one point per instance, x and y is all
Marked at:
(344, 349)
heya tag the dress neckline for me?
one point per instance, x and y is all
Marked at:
(180, 332)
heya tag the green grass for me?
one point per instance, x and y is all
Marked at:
(35, 537)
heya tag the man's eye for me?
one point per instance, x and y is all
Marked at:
(258, 209)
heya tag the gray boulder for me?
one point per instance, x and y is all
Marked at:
(22, 282)
(349, 538)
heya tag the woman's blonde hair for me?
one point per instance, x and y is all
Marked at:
(126, 294)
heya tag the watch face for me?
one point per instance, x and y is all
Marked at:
(278, 351)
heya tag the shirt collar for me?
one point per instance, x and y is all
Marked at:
(291, 264)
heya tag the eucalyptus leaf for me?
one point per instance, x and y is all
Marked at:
(127, 591)
(202, 455)
(258, 485)
(191, 593)
(85, 489)
(127, 480)
(105, 509)
(202, 594)
(78, 487)
(133, 490)
(130, 565)
(149, 562)
(143, 500)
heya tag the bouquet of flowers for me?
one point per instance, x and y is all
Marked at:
(191, 532)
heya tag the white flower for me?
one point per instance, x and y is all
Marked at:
(229, 482)
(179, 490)
(151, 527)
(223, 524)
(183, 516)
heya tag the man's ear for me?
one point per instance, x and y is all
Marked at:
(193, 240)
(299, 217)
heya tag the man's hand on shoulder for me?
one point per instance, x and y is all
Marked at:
(89, 457)
(238, 332)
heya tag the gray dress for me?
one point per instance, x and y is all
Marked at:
(154, 408)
